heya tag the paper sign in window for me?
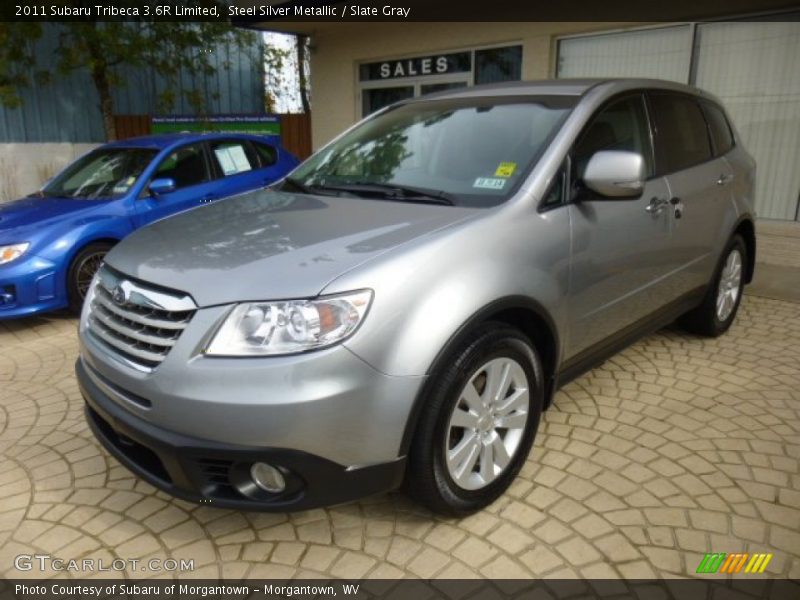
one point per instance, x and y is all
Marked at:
(232, 159)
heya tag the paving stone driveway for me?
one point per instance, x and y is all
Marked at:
(675, 447)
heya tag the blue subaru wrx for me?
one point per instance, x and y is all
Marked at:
(52, 242)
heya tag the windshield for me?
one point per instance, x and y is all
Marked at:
(472, 151)
(101, 174)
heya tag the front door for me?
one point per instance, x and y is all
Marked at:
(188, 167)
(621, 260)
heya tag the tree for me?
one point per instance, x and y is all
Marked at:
(105, 49)
(303, 47)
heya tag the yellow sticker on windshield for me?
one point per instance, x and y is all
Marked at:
(505, 169)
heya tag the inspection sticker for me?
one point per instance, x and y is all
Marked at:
(505, 169)
(489, 183)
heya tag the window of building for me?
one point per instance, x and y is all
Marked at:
(389, 81)
(494, 65)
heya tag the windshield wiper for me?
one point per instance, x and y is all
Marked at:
(392, 191)
(301, 187)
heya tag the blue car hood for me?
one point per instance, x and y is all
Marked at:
(28, 213)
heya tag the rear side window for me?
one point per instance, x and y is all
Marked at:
(267, 154)
(681, 134)
(719, 128)
(232, 157)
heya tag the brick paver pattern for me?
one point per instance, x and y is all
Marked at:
(675, 447)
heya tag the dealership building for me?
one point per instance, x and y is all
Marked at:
(751, 65)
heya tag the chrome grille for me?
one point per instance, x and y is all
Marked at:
(138, 322)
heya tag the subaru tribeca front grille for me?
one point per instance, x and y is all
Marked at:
(135, 321)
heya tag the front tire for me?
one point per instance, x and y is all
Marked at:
(81, 270)
(721, 303)
(479, 421)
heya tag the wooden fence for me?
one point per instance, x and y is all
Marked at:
(295, 131)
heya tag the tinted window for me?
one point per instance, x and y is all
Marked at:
(372, 100)
(719, 128)
(267, 154)
(498, 64)
(620, 126)
(187, 166)
(681, 133)
(232, 157)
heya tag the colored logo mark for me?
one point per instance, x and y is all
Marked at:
(742, 562)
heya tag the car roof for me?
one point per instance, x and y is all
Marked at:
(167, 140)
(562, 87)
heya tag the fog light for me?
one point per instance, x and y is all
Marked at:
(267, 477)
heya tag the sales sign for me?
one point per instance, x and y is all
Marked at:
(437, 64)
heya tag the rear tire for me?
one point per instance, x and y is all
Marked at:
(81, 270)
(478, 423)
(721, 303)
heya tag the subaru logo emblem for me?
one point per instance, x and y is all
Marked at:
(118, 295)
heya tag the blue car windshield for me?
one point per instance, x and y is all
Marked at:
(105, 173)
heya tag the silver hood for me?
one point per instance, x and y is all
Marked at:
(269, 245)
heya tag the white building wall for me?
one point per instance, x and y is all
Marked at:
(25, 167)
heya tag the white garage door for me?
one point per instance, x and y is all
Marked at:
(750, 66)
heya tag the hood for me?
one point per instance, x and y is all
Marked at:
(35, 212)
(269, 245)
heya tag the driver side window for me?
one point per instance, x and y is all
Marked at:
(186, 165)
(620, 126)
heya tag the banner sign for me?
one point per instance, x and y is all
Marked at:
(255, 124)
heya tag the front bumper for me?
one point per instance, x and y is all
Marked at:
(207, 472)
(328, 403)
(30, 285)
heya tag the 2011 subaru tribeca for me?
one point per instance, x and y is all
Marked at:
(403, 306)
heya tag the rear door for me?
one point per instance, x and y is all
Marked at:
(621, 259)
(236, 166)
(189, 167)
(697, 179)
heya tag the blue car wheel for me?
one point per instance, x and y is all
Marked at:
(81, 271)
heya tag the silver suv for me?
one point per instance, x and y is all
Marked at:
(404, 305)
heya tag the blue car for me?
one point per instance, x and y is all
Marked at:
(52, 242)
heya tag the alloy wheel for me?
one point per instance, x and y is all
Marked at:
(730, 285)
(487, 423)
(86, 270)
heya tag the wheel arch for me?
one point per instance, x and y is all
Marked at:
(746, 228)
(77, 249)
(522, 313)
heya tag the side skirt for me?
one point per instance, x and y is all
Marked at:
(595, 355)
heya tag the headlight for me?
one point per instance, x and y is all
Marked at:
(12, 251)
(270, 328)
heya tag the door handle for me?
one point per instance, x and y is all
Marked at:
(656, 205)
(725, 178)
(677, 205)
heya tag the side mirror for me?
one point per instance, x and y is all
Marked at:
(615, 174)
(165, 185)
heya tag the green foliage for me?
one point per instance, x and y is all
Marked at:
(17, 65)
(106, 49)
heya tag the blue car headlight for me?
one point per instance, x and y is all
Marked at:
(12, 252)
